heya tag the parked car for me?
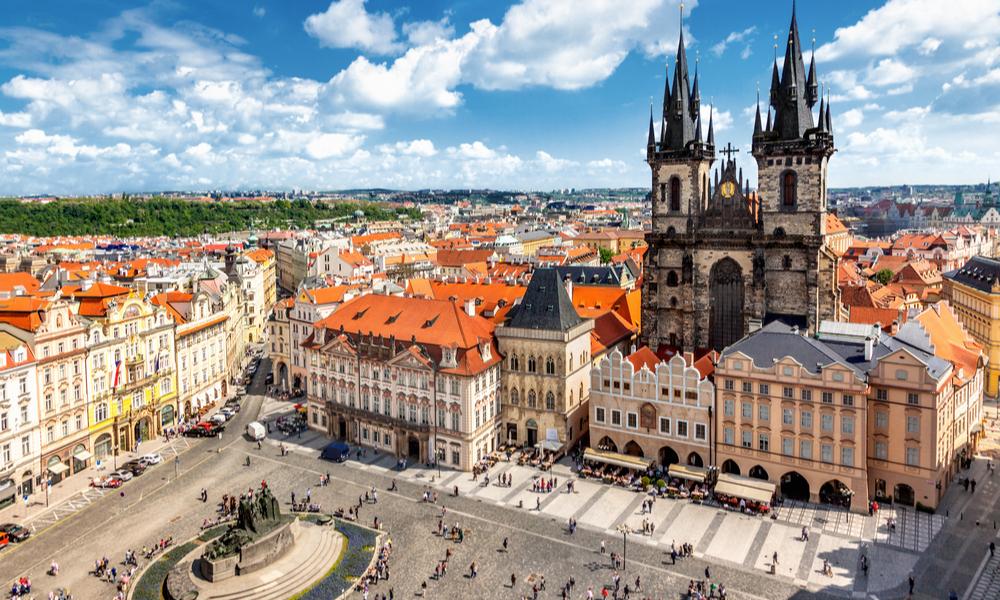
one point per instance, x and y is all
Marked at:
(136, 467)
(233, 405)
(15, 532)
(335, 451)
(107, 481)
(151, 459)
(227, 412)
(203, 429)
(217, 418)
(123, 474)
(269, 379)
(4, 540)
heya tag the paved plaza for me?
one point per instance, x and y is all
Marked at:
(941, 552)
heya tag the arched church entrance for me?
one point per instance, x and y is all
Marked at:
(726, 293)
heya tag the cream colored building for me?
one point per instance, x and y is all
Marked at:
(653, 409)
(201, 350)
(973, 291)
(56, 336)
(546, 369)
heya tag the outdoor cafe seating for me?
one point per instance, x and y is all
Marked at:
(746, 494)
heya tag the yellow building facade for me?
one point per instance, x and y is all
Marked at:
(973, 291)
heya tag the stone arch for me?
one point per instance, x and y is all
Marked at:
(668, 456)
(726, 296)
(675, 194)
(835, 492)
(903, 494)
(532, 399)
(731, 467)
(514, 398)
(794, 486)
(672, 279)
(632, 448)
(758, 472)
(695, 460)
(550, 366)
(550, 401)
(607, 444)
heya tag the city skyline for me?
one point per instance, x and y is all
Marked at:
(530, 95)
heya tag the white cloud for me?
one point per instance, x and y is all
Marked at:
(15, 119)
(736, 36)
(909, 114)
(929, 46)
(328, 145)
(476, 150)
(346, 24)
(900, 24)
(259, 11)
(421, 147)
(890, 71)
(422, 33)
(354, 120)
(846, 82)
(850, 118)
(552, 164)
(200, 151)
(721, 119)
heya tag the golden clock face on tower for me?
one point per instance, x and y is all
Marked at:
(727, 188)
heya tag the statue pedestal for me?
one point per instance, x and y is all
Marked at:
(255, 555)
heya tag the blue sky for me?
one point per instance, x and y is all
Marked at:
(533, 94)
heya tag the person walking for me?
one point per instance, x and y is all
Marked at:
(513, 580)
(911, 583)
(604, 549)
(505, 545)
(993, 548)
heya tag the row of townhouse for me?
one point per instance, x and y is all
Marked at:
(94, 369)
(849, 415)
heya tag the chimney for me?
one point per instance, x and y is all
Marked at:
(568, 282)
(470, 307)
(869, 347)
(894, 329)
(86, 285)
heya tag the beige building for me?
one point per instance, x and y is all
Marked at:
(973, 292)
(793, 411)
(269, 273)
(852, 414)
(546, 370)
(653, 409)
(279, 340)
(56, 336)
(416, 378)
(201, 349)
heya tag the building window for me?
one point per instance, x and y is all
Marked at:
(881, 419)
(747, 440)
(827, 397)
(847, 456)
(901, 374)
(682, 428)
(882, 450)
(665, 425)
(807, 395)
(789, 185)
(747, 387)
(514, 397)
(550, 366)
(531, 399)
(616, 417)
(826, 422)
(729, 407)
(729, 385)
(805, 449)
(531, 364)
(763, 442)
(882, 395)
(848, 400)
(764, 389)
(788, 392)
(632, 420)
(746, 410)
(26, 445)
(456, 457)
(787, 416)
(727, 435)
(912, 398)
(826, 453)
(675, 194)
(455, 421)
(599, 414)
(847, 425)
(913, 457)
(764, 412)
(787, 446)
(550, 401)
(912, 424)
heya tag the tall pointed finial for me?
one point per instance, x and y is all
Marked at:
(711, 128)
(829, 120)
(651, 140)
(756, 121)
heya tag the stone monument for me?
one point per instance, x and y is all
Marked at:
(260, 536)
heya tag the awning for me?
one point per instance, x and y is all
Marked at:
(690, 473)
(550, 445)
(83, 455)
(747, 488)
(618, 460)
(58, 468)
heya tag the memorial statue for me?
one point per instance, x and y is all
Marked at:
(255, 516)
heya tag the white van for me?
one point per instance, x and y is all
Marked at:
(256, 431)
(218, 419)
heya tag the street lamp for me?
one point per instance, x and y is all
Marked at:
(177, 461)
(625, 530)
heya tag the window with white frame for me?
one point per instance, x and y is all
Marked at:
(632, 420)
(665, 425)
(599, 414)
(616, 417)
(682, 428)
(700, 431)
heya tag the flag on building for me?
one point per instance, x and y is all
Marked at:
(118, 372)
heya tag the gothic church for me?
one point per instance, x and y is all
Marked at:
(723, 259)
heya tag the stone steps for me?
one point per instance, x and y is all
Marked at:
(321, 549)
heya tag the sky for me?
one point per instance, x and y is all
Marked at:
(102, 96)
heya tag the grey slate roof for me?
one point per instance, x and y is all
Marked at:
(979, 272)
(776, 340)
(545, 305)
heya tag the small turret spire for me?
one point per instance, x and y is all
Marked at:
(651, 140)
(711, 127)
(695, 92)
(822, 114)
(829, 121)
(811, 84)
(768, 126)
(697, 130)
(756, 122)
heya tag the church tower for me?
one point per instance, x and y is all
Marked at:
(680, 162)
(792, 153)
(722, 259)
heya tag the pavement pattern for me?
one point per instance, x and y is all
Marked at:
(737, 549)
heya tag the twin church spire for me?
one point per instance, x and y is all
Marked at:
(793, 94)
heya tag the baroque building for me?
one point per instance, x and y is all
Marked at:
(722, 259)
